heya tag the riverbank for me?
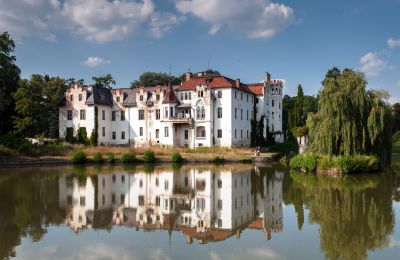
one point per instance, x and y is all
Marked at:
(64, 155)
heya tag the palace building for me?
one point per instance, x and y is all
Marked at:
(205, 110)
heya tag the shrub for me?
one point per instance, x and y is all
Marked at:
(69, 135)
(306, 162)
(176, 157)
(111, 157)
(79, 157)
(128, 158)
(358, 163)
(218, 160)
(82, 136)
(98, 158)
(93, 138)
(148, 156)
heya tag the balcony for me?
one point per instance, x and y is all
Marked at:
(182, 118)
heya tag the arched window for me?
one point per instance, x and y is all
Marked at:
(201, 112)
(201, 132)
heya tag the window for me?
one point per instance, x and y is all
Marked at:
(256, 100)
(200, 204)
(122, 115)
(113, 113)
(235, 112)
(122, 198)
(158, 97)
(219, 133)
(241, 133)
(141, 114)
(103, 115)
(186, 181)
(166, 185)
(80, 97)
(190, 95)
(247, 134)
(158, 201)
(82, 114)
(103, 131)
(201, 112)
(122, 135)
(186, 96)
(220, 223)
(118, 99)
(273, 115)
(273, 103)
(82, 201)
(141, 97)
(219, 93)
(141, 200)
(241, 96)
(247, 97)
(201, 132)
(123, 178)
(69, 115)
(220, 112)
(157, 114)
(113, 197)
(171, 112)
(235, 133)
(140, 183)
(219, 204)
(166, 131)
(186, 134)
(181, 96)
(157, 133)
(219, 183)
(200, 93)
(241, 114)
(140, 131)
(235, 94)
(157, 182)
(247, 111)
(71, 98)
(279, 105)
(166, 112)
(114, 135)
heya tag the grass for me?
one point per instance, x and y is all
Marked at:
(396, 148)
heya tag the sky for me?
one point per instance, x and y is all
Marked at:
(297, 41)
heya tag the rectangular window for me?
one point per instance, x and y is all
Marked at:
(114, 135)
(273, 103)
(219, 204)
(190, 95)
(186, 134)
(122, 115)
(141, 97)
(166, 112)
(118, 99)
(122, 198)
(103, 115)
(220, 223)
(241, 96)
(113, 113)
(186, 96)
(69, 115)
(235, 133)
(122, 135)
(166, 131)
(141, 114)
(279, 105)
(82, 201)
(235, 112)
(220, 112)
(158, 97)
(241, 133)
(71, 98)
(235, 94)
(247, 115)
(141, 200)
(113, 197)
(158, 201)
(171, 112)
(247, 97)
(219, 93)
(166, 185)
(157, 114)
(219, 183)
(157, 133)
(186, 181)
(140, 131)
(181, 96)
(241, 114)
(247, 134)
(219, 133)
(103, 131)
(82, 114)
(80, 97)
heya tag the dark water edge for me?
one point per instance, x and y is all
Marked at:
(270, 213)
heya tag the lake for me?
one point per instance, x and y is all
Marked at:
(214, 212)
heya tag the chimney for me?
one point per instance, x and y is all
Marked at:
(267, 77)
(188, 76)
(238, 83)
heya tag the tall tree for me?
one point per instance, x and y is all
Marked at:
(151, 79)
(351, 120)
(396, 115)
(105, 81)
(9, 76)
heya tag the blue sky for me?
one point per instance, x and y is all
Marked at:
(297, 41)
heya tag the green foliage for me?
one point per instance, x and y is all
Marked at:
(217, 160)
(69, 136)
(358, 163)
(306, 162)
(350, 120)
(176, 157)
(82, 136)
(79, 157)
(105, 81)
(94, 136)
(149, 156)
(300, 131)
(9, 77)
(111, 157)
(128, 158)
(396, 115)
(98, 158)
(151, 79)
(288, 146)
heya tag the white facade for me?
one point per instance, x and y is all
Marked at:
(204, 111)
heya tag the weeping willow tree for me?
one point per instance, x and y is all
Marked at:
(350, 119)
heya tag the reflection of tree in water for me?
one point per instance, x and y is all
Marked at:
(29, 202)
(354, 214)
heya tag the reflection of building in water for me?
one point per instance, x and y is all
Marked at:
(269, 215)
(204, 205)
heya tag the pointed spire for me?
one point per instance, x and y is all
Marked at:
(169, 96)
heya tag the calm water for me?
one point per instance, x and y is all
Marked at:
(197, 212)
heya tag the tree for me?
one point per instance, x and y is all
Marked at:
(396, 115)
(104, 81)
(351, 120)
(9, 76)
(37, 102)
(151, 79)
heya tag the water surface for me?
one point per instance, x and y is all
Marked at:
(196, 212)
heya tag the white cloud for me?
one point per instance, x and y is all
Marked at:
(372, 64)
(255, 19)
(393, 43)
(94, 20)
(95, 61)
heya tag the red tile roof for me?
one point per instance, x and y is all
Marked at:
(256, 88)
(212, 81)
(170, 97)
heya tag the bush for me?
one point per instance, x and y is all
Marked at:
(128, 158)
(218, 160)
(82, 136)
(79, 157)
(149, 157)
(98, 158)
(176, 157)
(69, 135)
(358, 163)
(111, 157)
(306, 162)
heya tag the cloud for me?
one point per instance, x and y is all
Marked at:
(393, 43)
(95, 61)
(254, 19)
(98, 21)
(372, 64)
